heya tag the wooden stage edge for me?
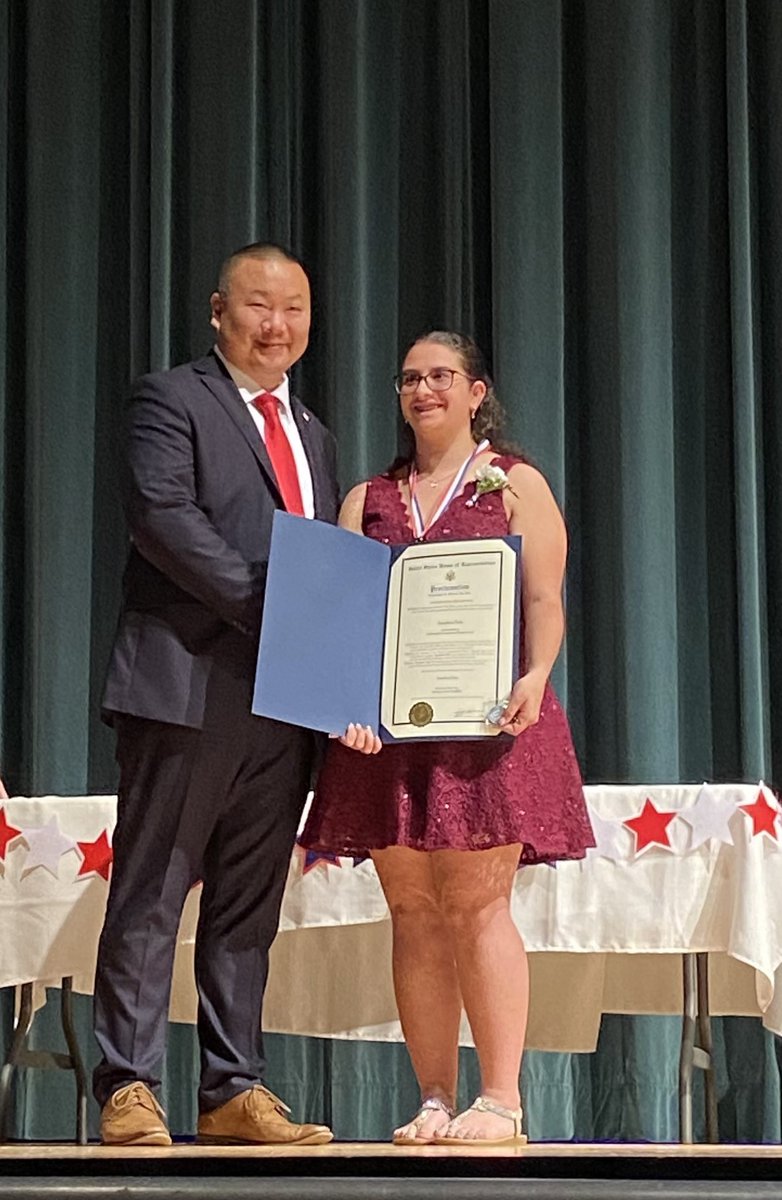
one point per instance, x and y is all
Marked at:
(378, 1171)
(47, 1151)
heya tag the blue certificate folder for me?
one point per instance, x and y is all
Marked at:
(320, 659)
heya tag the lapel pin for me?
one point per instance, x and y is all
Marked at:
(306, 416)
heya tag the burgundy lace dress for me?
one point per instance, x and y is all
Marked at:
(468, 795)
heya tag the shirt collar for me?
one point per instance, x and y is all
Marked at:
(249, 389)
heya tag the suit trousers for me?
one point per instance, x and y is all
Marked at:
(222, 805)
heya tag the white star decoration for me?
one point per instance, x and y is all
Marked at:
(608, 837)
(46, 846)
(709, 818)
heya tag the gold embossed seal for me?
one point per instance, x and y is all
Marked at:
(421, 713)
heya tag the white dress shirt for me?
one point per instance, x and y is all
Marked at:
(248, 390)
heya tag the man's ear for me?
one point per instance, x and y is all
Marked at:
(216, 305)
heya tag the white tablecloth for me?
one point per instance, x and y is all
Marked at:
(604, 935)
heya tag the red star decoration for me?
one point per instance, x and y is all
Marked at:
(7, 833)
(97, 856)
(763, 817)
(312, 858)
(650, 827)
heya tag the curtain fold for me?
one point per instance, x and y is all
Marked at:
(592, 189)
(747, 398)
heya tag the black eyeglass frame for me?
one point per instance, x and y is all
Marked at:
(400, 387)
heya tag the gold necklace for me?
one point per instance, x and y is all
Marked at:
(436, 482)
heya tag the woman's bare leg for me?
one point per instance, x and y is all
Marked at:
(425, 979)
(474, 890)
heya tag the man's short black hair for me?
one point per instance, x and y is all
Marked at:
(254, 250)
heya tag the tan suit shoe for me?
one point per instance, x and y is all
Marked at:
(257, 1117)
(133, 1117)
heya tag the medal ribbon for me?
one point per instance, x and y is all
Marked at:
(419, 527)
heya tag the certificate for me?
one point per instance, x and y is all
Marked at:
(418, 641)
(450, 638)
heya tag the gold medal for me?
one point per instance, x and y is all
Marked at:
(421, 713)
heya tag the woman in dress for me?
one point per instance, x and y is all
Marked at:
(447, 823)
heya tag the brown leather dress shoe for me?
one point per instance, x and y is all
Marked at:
(133, 1117)
(257, 1117)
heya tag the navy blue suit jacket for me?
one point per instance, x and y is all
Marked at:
(200, 495)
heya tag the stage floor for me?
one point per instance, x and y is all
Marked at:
(66, 1152)
(379, 1171)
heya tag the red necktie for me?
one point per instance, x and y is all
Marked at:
(279, 450)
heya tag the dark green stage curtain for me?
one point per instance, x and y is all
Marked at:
(592, 187)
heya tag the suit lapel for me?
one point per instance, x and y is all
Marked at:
(312, 448)
(224, 390)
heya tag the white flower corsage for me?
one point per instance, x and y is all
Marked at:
(489, 478)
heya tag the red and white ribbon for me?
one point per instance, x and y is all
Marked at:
(420, 527)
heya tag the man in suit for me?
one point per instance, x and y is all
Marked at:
(207, 790)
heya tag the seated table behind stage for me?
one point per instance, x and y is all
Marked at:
(604, 934)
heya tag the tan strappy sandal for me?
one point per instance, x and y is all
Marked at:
(431, 1104)
(484, 1104)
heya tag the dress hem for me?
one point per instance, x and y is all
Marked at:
(530, 856)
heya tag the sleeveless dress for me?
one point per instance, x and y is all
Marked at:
(457, 795)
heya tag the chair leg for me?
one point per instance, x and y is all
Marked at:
(705, 1040)
(23, 1023)
(66, 1013)
(20, 1055)
(687, 1051)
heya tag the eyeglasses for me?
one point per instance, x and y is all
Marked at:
(438, 380)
